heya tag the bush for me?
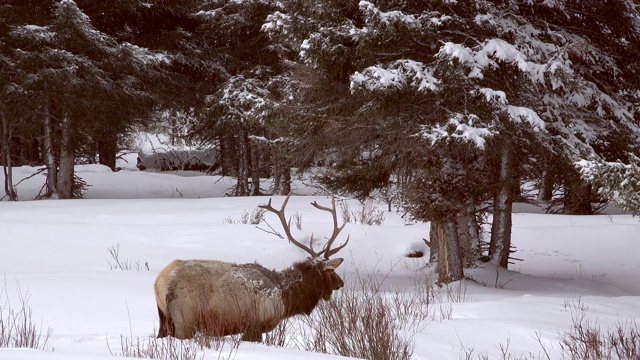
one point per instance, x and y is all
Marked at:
(358, 323)
(587, 341)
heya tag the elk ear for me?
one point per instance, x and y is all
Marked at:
(332, 264)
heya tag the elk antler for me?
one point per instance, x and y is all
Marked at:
(326, 251)
(287, 226)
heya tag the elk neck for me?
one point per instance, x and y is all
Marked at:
(302, 288)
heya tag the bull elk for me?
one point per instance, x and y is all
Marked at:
(219, 298)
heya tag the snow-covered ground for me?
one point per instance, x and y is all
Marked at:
(57, 253)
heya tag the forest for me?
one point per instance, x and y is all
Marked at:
(451, 110)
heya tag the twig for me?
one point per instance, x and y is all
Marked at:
(30, 176)
(272, 232)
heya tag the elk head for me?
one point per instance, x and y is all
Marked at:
(318, 271)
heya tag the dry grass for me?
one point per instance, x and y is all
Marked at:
(279, 336)
(365, 320)
(367, 214)
(585, 340)
(153, 348)
(255, 218)
(170, 348)
(118, 263)
(357, 323)
(17, 327)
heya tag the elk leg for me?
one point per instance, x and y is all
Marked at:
(270, 326)
(252, 334)
(167, 328)
(183, 323)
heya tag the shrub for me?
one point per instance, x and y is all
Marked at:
(358, 323)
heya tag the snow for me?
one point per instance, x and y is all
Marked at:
(490, 95)
(276, 21)
(519, 113)
(43, 33)
(387, 18)
(209, 13)
(493, 50)
(244, 98)
(463, 128)
(56, 251)
(394, 17)
(398, 74)
(145, 55)
(458, 51)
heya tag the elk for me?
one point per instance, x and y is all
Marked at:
(217, 298)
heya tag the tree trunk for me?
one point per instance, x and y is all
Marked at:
(5, 150)
(50, 156)
(433, 242)
(281, 171)
(500, 245)
(224, 155)
(30, 152)
(107, 150)
(449, 258)
(242, 183)
(254, 166)
(230, 154)
(277, 171)
(577, 198)
(286, 179)
(172, 129)
(67, 161)
(468, 236)
(545, 193)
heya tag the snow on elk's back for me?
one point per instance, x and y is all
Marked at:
(263, 281)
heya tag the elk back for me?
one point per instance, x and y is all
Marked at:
(217, 298)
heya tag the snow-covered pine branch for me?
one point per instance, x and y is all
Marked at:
(377, 19)
(400, 74)
(490, 53)
(242, 99)
(615, 180)
(460, 126)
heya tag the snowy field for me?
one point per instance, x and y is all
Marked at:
(57, 254)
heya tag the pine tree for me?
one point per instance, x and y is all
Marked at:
(616, 180)
(450, 81)
(82, 84)
(237, 108)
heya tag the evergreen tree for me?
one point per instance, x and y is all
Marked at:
(237, 108)
(616, 180)
(450, 81)
(81, 83)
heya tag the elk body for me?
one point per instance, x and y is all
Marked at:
(219, 298)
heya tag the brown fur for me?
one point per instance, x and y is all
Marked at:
(301, 297)
(220, 298)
